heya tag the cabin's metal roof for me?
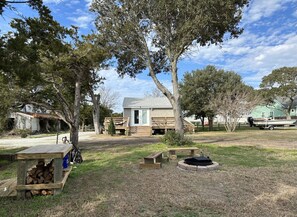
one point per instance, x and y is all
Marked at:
(148, 102)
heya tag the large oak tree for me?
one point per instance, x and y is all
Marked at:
(154, 34)
(211, 91)
(50, 66)
(281, 85)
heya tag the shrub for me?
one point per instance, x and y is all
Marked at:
(22, 133)
(172, 138)
(111, 128)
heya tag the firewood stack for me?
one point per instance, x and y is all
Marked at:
(40, 174)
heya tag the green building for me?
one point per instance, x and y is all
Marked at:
(273, 111)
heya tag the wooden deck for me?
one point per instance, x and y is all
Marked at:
(168, 123)
(120, 123)
(8, 188)
(157, 123)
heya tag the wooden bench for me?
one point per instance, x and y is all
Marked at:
(172, 151)
(153, 161)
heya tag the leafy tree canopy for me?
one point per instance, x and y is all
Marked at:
(200, 86)
(52, 66)
(154, 34)
(213, 91)
(281, 85)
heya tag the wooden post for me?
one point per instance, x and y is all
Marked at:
(21, 177)
(58, 173)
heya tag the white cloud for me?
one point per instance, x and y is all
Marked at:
(250, 55)
(262, 60)
(128, 87)
(260, 57)
(263, 8)
(82, 21)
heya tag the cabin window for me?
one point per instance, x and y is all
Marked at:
(271, 115)
(263, 115)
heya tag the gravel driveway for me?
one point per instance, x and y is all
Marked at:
(28, 142)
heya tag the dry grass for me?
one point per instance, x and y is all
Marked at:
(250, 182)
(261, 138)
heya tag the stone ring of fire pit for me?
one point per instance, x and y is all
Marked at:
(181, 164)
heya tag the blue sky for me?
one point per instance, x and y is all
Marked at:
(269, 41)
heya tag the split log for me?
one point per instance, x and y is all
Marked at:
(29, 180)
(35, 192)
(43, 192)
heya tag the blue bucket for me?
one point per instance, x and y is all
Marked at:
(66, 161)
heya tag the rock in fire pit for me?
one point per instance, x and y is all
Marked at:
(198, 163)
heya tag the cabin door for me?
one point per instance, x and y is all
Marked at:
(140, 117)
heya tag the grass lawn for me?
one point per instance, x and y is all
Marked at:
(251, 181)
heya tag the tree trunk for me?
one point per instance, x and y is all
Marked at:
(47, 126)
(96, 111)
(173, 98)
(288, 116)
(202, 122)
(210, 123)
(82, 128)
(74, 135)
(76, 112)
(288, 111)
(178, 115)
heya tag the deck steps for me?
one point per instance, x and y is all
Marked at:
(141, 131)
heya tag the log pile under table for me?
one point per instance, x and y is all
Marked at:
(42, 173)
(43, 178)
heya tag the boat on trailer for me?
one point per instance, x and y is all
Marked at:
(270, 123)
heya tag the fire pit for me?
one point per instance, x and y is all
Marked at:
(197, 163)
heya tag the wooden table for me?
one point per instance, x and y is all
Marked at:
(56, 152)
(172, 151)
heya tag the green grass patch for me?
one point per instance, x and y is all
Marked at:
(249, 156)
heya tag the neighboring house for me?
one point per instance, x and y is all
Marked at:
(34, 120)
(147, 116)
(218, 119)
(273, 111)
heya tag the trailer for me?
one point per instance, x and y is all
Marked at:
(270, 124)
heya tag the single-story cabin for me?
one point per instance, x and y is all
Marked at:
(146, 116)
